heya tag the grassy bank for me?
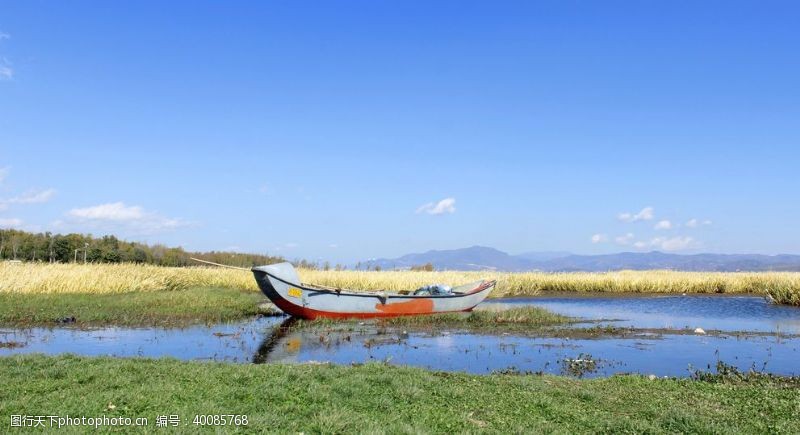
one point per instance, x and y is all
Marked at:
(121, 278)
(512, 319)
(163, 308)
(381, 399)
(521, 319)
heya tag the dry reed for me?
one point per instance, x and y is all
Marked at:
(118, 278)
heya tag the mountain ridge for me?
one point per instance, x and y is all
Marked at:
(487, 258)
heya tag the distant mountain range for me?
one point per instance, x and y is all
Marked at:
(484, 258)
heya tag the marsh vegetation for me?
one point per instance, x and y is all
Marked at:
(32, 278)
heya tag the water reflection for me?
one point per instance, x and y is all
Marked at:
(662, 355)
(273, 342)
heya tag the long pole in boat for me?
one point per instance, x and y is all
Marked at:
(220, 265)
(324, 287)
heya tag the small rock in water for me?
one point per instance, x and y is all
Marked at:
(699, 331)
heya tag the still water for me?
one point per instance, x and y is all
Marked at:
(663, 354)
(720, 312)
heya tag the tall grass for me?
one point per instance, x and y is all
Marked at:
(783, 286)
(118, 278)
(115, 278)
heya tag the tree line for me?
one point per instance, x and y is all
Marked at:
(58, 248)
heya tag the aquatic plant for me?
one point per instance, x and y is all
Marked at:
(730, 374)
(579, 366)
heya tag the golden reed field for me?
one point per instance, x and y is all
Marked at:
(119, 278)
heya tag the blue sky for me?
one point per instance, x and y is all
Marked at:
(351, 130)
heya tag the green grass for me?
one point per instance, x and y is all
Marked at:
(521, 319)
(157, 308)
(383, 399)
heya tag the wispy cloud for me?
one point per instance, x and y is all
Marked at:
(4, 174)
(599, 238)
(663, 225)
(678, 243)
(29, 197)
(694, 223)
(447, 205)
(10, 223)
(625, 239)
(333, 246)
(6, 72)
(645, 214)
(672, 243)
(33, 197)
(119, 216)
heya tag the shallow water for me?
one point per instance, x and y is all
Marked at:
(263, 340)
(662, 355)
(728, 313)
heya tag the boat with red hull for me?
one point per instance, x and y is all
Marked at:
(280, 283)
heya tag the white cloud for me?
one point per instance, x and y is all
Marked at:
(446, 205)
(673, 243)
(624, 240)
(694, 223)
(663, 225)
(4, 35)
(3, 174)
(644, 215)
(599, 238)
(291, 245)
(333, 246)
(116, 211)
(10, 223)
(118, 216)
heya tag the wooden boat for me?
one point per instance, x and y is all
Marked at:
(283, 287)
